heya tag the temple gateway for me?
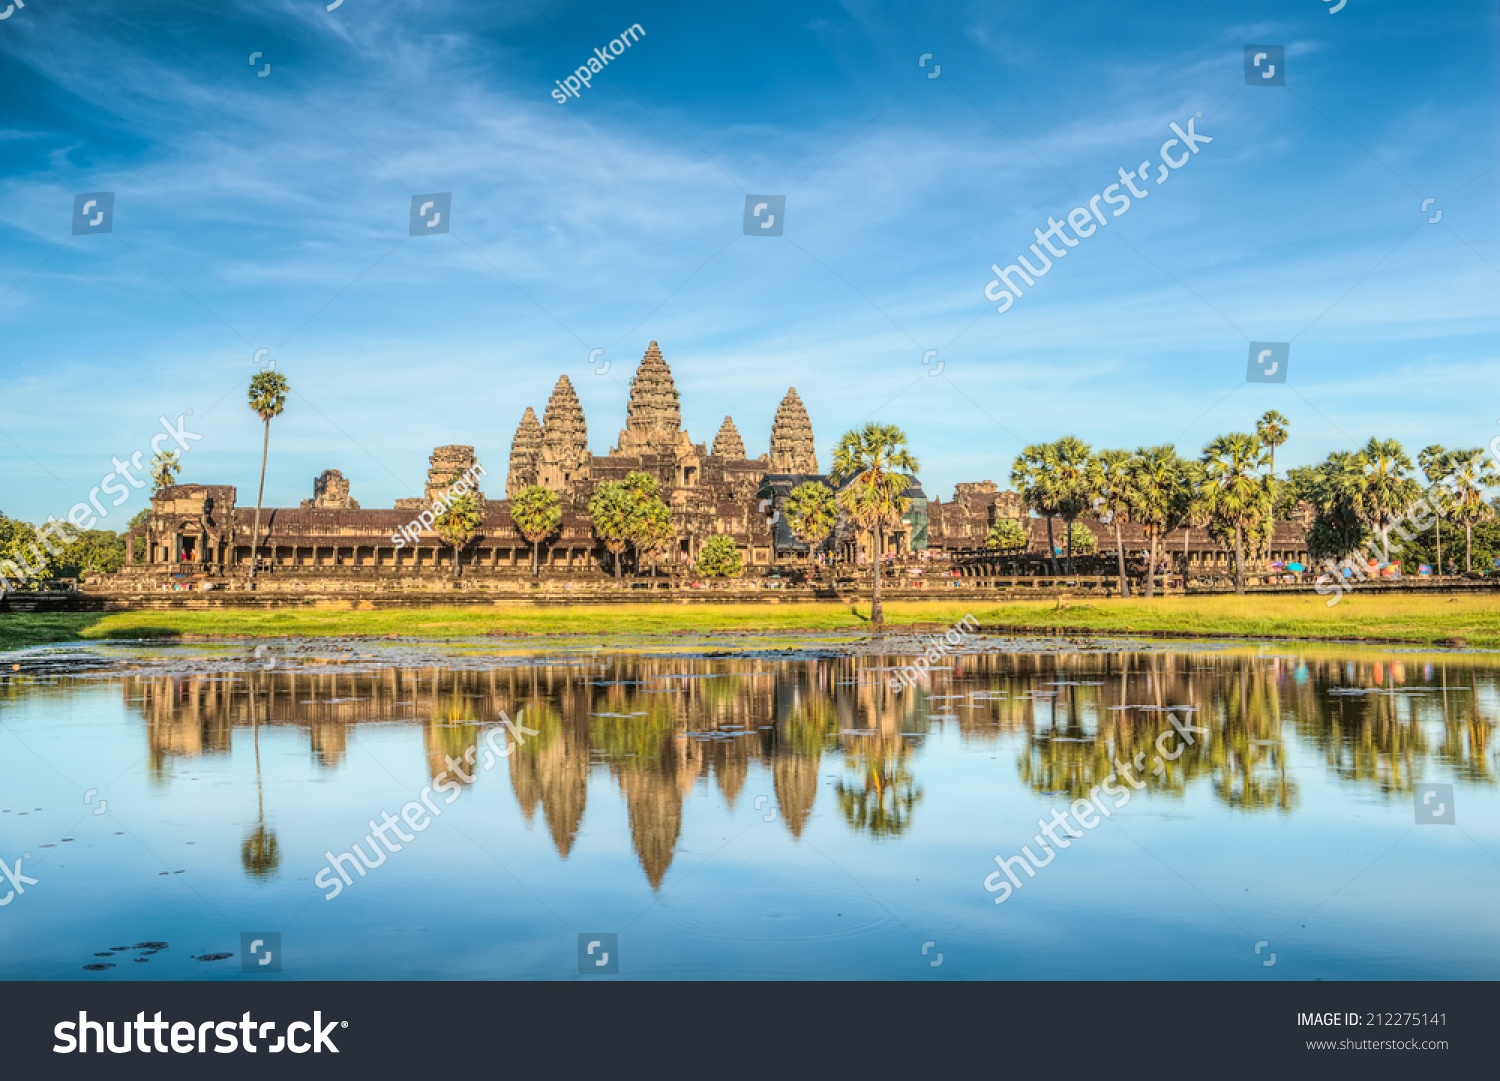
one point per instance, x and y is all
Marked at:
(199, 532)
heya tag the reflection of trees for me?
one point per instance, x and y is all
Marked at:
(664, 729)
(259, 853)
(881, 802)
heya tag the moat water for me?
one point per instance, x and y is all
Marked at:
(738, 808)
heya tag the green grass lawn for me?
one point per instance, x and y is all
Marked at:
(1417, 619)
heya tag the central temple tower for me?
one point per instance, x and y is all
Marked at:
(653, 417)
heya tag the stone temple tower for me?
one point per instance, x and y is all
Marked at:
(525, 455)
(653, 417)
(728, 444)
(564, 458)
(792, 438)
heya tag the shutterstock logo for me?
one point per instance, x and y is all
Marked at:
(260, 951)
(429, 213)
(764, 214)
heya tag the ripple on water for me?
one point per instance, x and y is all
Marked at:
(771, 914)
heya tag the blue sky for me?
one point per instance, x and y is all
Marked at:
(272, 212)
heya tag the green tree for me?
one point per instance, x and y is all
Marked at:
(536, 514)
(1008, 534)
(164, 468)
(650, 522)
(93, 551)
(1271, 430)
(1385, 491)
(1160, 491)
(1332, 489)
(458, 522)
(1476, 471)
(873, 467)
(1073, 467)
(718, 557)
(1081, 539)
(1033, 473)
(811, 513)
(1109, 495)
(25, 557)
(651, 530)
(1437, 466)
(1237, 495)
(610, 513)
(267, 397)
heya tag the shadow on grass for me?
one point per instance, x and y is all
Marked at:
(21, 629)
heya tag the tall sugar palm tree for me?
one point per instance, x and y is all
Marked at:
(1034, 473)
(609, 511)
(1237, 495)
(811, 513)
(873, 465)
(267, 398)
(1110, 495)
(1271, 430)
(1386, 490)
(1478, 471)
(536, 514)
(1071, 464)
(1437, 466)
(1160, 496)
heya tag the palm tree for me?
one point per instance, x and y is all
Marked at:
(1437, 466)
(609, 511)
(1478, 471)
(1333, 490)
(1271, 430)
(458, 523)
(1109, 492)
(1236, 494)
(1034, 474)
(811, 513)
(268, 390)
(875, 464)
(164, 466)
(1159, 493)
(536, 514)
(1071, 464)
(1386, 490)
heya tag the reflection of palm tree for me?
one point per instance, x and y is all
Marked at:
(882, 804)
(260, 854)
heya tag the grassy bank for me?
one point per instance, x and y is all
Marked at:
(1421, 620)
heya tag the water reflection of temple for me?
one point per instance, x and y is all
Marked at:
(661, 728)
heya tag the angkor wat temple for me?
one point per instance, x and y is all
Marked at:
(200, 532)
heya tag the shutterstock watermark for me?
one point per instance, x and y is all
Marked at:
(580, 79)
(85, 513)
(18, 881)
(937, 649)
(1341, 577)
(417, 815)
(1086, 220)
(84, 1037)
(1087, 812)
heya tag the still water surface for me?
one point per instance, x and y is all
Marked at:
(746, 811)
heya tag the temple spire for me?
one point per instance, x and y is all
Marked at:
(792, 449)
(525, 455)
(728, 444)
(564, 458)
